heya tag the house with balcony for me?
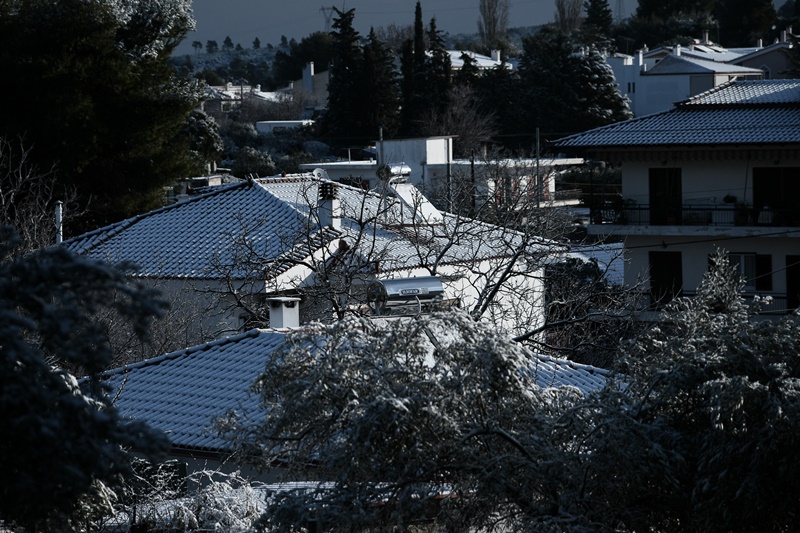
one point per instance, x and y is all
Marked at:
(719, 170)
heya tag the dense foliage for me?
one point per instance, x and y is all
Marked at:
(91, 92)
(64, 447)
(438, 421)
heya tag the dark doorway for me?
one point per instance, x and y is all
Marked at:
(792, 282)
(666, 277)
(665, 196)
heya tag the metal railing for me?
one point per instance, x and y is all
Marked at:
(696, 215)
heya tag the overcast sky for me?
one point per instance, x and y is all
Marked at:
(244, 20)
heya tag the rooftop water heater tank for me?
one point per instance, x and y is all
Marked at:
(384, 295)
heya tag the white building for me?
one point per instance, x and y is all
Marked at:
(432, 169)
(720, 170)
(323, 242)
(653, 82)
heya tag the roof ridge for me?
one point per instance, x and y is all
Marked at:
(115, 227)
(232, 339)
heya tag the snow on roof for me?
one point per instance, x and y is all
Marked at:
(673, 64)
(610, 259)
(182, 393)
(191, 239)
(481, 61)
(755, 93)
(735, 113)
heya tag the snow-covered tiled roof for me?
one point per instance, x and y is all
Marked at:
(751, 93)
(187, 239)
(184, 392)
(192, 239)
(736, 113)
(609, 257)
(673, 64)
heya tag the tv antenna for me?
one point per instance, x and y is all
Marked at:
(327, 12)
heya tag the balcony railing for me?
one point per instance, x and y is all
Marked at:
(696, 215)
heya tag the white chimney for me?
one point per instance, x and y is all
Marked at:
(496, 56)
(329, 209)
(59, 222)
(308, 77)
(760, 43)
(677, 49)
(423, 210)
(640, 56)
(284, 312)
(705, 37)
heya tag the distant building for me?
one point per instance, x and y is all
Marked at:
(432, 168)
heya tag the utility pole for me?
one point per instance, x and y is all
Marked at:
(327, 12)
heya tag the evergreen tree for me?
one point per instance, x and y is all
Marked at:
(380, 99)
(664, 9)
(64, 446)
(256, 43)
(212, 47)
(407, 89)
(567, 91)
(499, 93)
(743, 22)
(468, 74)
(227, 44)
(94, 94)
(437, 71)
(413, 71)
(344, 114)
(288, 64)
(599, 18)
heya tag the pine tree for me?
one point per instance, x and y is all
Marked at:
(598, 16)
(344, 112)
(567, 91)
(94, 94)
(664, 9)
(380, 99)
(437, 71)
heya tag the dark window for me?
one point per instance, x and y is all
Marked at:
(666, 276)
(665, 196)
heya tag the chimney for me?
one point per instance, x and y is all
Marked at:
(59, 222)
(308, 77)
(783, 36)
(760, 43)
(705, 37)
(496, 56)
(422, 208)
(329, 208)
(284, 312)
(677, 50)
(640, 56)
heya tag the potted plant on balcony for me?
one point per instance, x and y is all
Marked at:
(741, 214)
